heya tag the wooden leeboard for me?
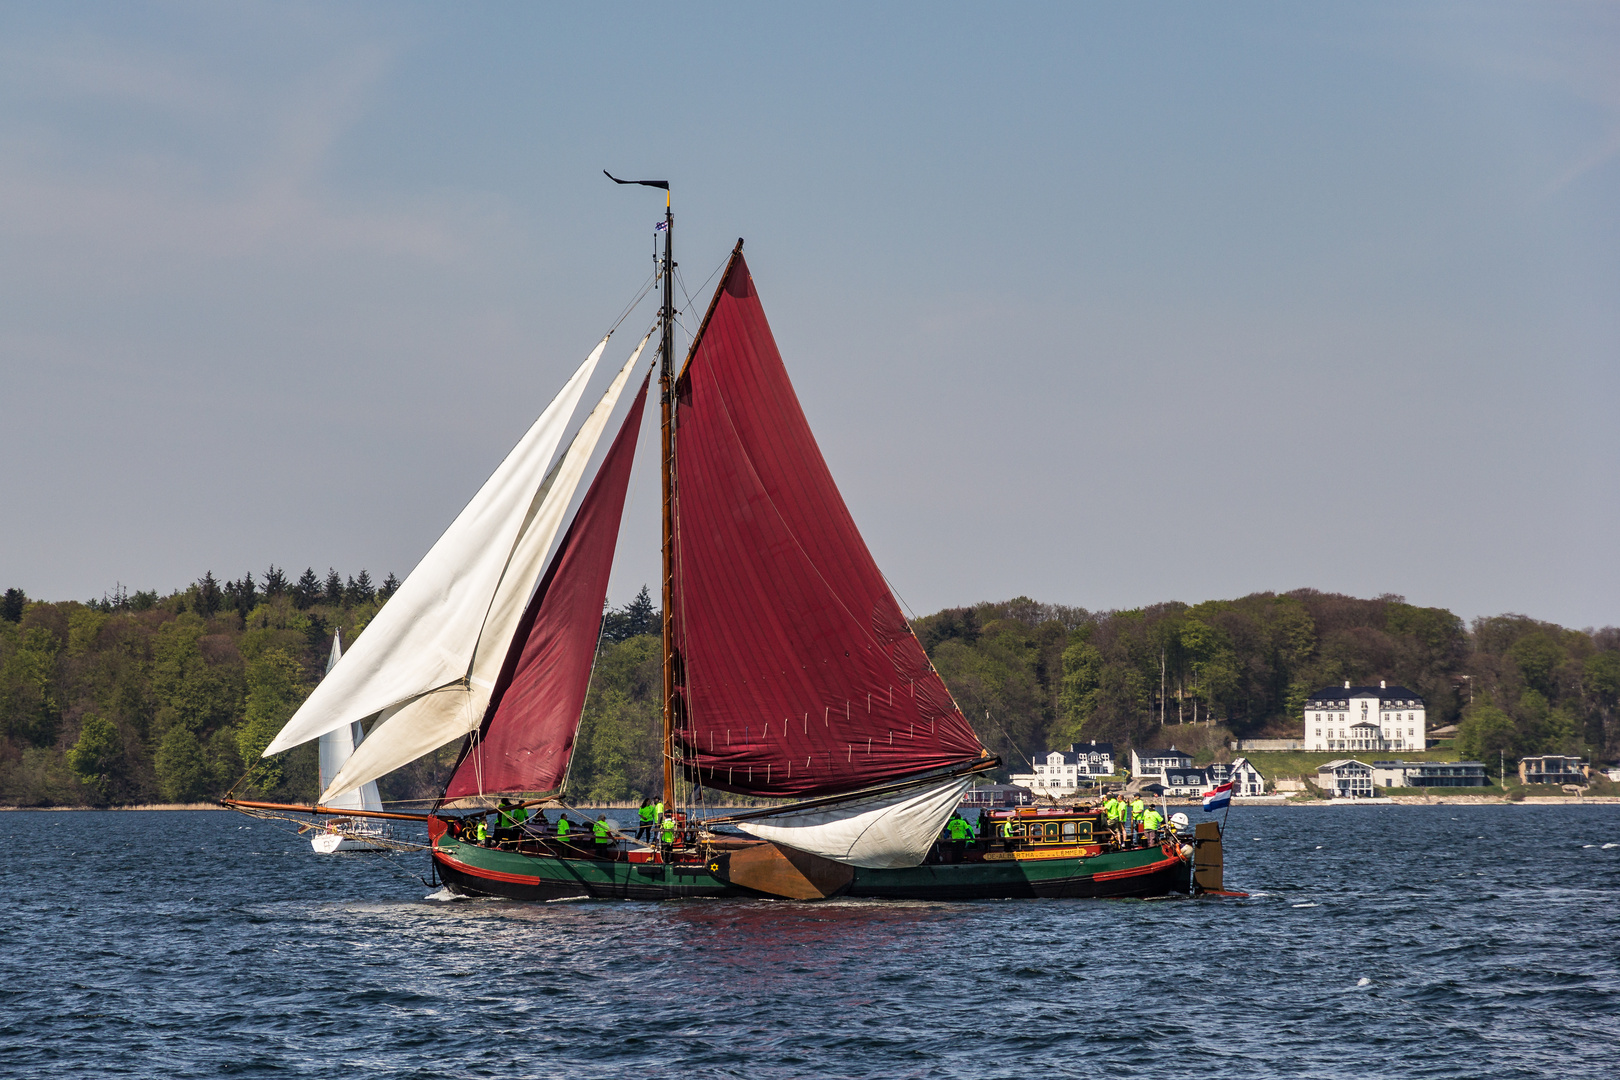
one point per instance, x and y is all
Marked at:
(1208, 863)
(785, 872)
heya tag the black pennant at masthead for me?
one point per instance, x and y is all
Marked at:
(644, 183)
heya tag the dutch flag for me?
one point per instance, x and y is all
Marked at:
(1218, 798)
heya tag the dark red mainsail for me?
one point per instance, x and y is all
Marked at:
(801, 676)
(529, 727)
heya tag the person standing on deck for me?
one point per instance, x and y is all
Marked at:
(602, 837)
(669, 828)
(1114, 809)
(646, 817)
(563, 827)
(504, 823)
(1152, 820)
(959, 830)
(1011, 830)
(481, 834)
(1138, 808)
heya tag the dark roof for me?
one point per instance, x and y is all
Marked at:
(1382, 693)
(1163, 752)
(1092, 748)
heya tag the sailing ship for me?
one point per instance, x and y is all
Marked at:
(790, 675)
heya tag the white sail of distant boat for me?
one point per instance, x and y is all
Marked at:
(427, 663)
(336, 747)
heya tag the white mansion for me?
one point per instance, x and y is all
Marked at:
(1064, 773)
(1381, 717)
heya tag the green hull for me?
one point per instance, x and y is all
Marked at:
(474, 870)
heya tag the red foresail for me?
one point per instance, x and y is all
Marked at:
(800, 675)
(529, 727)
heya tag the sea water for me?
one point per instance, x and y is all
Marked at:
(1388, 941)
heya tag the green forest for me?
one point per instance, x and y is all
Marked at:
(140, 698)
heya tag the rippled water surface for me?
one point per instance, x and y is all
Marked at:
(1445, 941)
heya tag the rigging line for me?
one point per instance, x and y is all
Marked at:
(1009, 738)
(690, 303)
(911, 629)
(679, 572)
(652, 279)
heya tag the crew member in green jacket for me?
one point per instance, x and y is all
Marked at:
(645, 819)
(564, 827)
(1152, 821)
(1010, 832)
(602, 837)
(481, 834)
(1113, 813)
(669, 828)
(1138, 808)
(959, 831)
(1112, 808)
(503, 822)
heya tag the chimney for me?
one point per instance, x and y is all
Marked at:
(1347, 684)
(1382, 684)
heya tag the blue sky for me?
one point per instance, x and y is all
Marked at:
(1104, 305)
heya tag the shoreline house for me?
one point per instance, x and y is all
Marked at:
(1554, 769)
(1064, 772)
(1246, 779)
(1381, 717)
(1186, 782)
(1174, 769)
(1427, 774)
(1152, 764)
(1345, 778)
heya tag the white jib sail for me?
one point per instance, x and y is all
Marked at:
(336, 748)
(424, 636)
(427, 721)
(883, 832)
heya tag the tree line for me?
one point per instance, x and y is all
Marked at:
(141, 698)
(1034, 677)
(137, 698)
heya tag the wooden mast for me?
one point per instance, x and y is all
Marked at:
(666, 410)
(666, 407)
